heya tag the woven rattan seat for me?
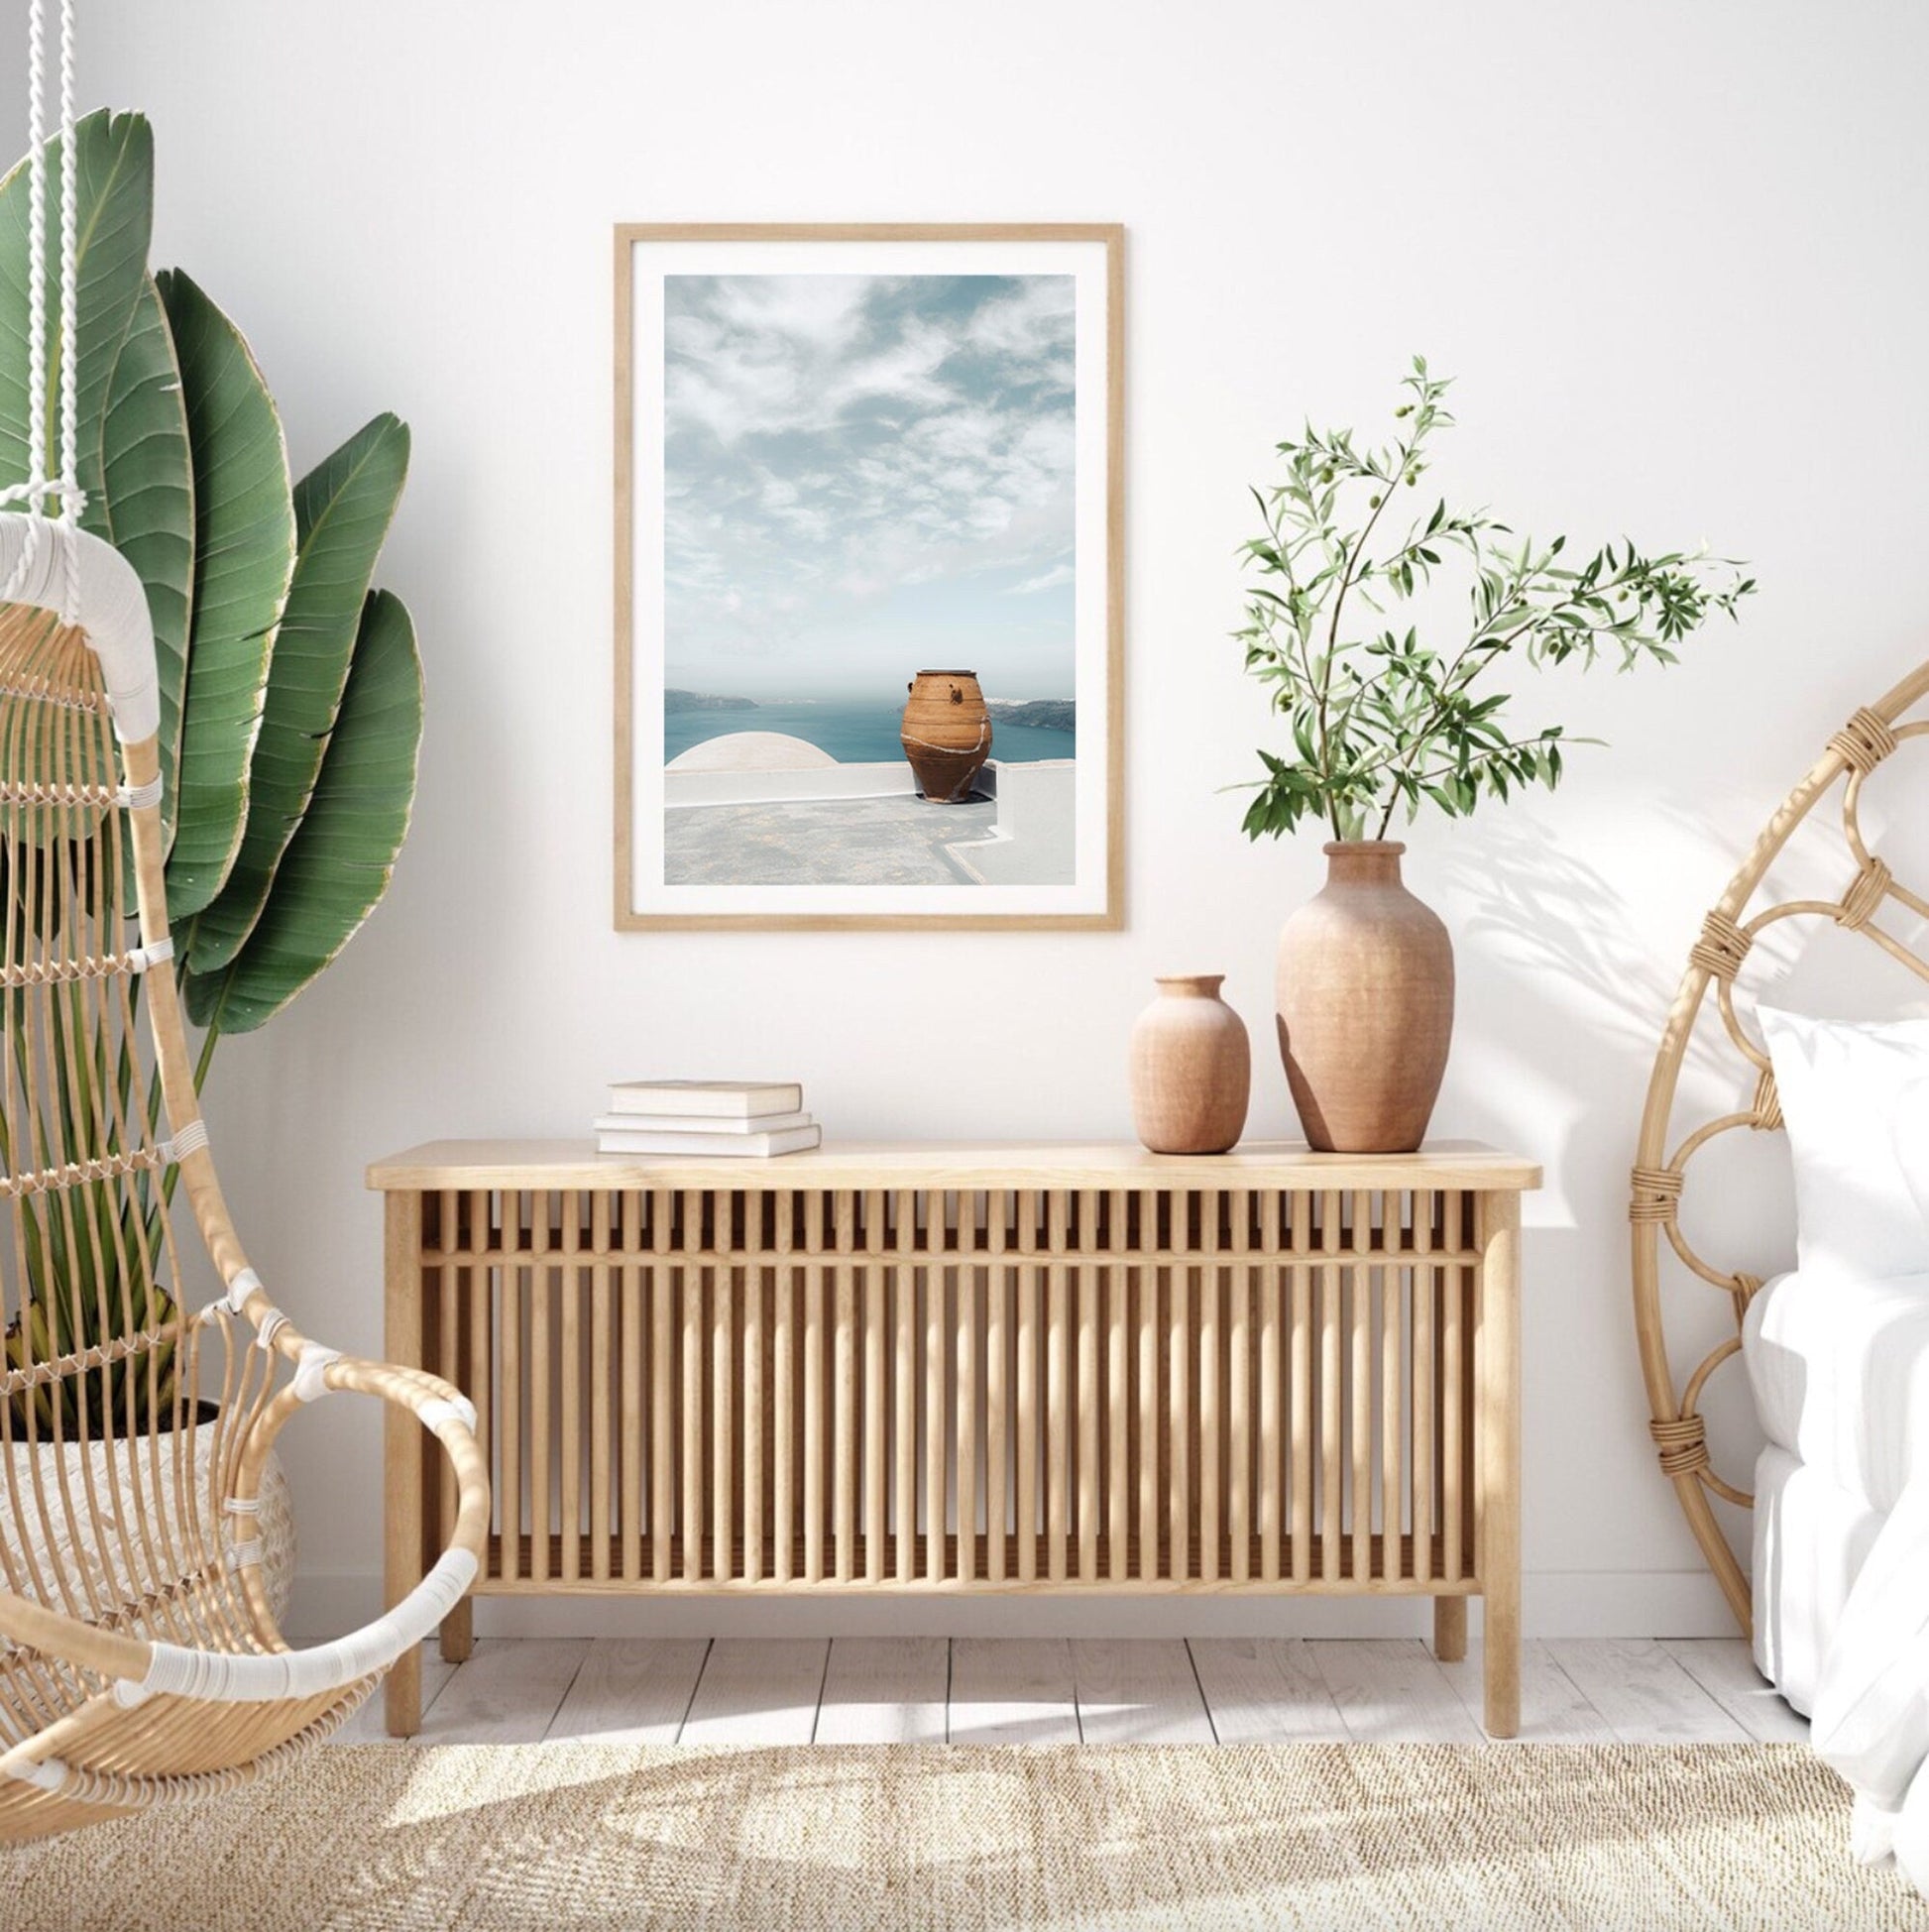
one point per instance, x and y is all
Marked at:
(140, 1656)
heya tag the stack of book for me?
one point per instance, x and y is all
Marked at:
(750, 1119)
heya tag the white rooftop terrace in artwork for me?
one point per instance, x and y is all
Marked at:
(761, 808)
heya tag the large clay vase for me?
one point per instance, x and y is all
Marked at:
(1191, 1068)
(1365, 997)
(945, 733)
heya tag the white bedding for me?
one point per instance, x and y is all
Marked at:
(1841, 1377)
(1811, 1540)
(1871, 1714)
(1840, 1371)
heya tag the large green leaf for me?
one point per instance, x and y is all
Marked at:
(243, 556)
(145, 503)
(342, 512)
(339, 863)
(115, 197)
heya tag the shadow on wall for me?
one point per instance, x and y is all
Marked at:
(1577, 1001)
(1578, 1005)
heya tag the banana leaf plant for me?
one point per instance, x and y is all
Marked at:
(291, 687)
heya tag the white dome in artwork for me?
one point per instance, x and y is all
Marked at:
(752, 752)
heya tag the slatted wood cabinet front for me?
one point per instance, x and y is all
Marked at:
(950, 1369)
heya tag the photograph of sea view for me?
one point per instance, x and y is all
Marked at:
(866, 476)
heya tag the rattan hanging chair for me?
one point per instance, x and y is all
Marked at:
(138, 1652)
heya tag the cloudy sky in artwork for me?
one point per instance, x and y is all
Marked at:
(864, 475)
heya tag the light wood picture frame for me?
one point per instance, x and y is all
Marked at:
(845, 455)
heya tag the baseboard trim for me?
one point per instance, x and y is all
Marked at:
(1554, 1603)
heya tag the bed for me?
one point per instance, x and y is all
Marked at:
(1839, 1374)
(1835, 1351)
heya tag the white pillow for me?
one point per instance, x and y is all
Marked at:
(1855, 1096)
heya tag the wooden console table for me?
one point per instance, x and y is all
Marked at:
(935, 1368)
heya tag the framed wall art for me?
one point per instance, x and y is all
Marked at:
(869, 576)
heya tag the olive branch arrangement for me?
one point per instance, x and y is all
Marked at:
(1384, 721)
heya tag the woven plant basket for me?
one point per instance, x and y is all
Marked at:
(99, 1550)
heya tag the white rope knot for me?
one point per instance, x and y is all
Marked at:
(141, 957)
(28, 561)
(243, 1555)
(245, 1283)
(189, 1140)
(138, 798)
(310, 1371)
(432, 1415)
(243, 1506)
(272, 1324)
(48, 1775)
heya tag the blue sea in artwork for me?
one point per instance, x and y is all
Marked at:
(853, 733)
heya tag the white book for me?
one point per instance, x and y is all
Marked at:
(714, 1099)
(735, 1146)
(696, 1123)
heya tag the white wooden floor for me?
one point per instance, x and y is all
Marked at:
(979, 1690)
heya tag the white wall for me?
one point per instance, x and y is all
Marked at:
(1673, 252)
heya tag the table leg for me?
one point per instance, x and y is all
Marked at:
(404, 1438)
(458, 1632)
(1450, 1628)
(1496, 1353)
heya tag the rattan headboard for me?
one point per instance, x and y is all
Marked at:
(1726, 935)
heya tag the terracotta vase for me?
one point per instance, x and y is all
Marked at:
(945, 733)
(1191, 1068)
(1365, 998)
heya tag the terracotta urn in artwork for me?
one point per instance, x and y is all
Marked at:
(945, 733)
(1191, 1068)
(1365, 998)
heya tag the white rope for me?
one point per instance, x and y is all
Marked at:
(245, 1283)
(70, 498)
(39, 484)
(278, 1674)
(32, 492)
(35, 254)
(49, 1775)
(36, 553)
(432, 1415)
(312, 1369)
(190, 1140)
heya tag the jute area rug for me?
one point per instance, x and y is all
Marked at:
(532, 1837)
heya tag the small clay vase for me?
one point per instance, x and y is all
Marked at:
(1365, 998)
(1191, 1068)
(945, 733)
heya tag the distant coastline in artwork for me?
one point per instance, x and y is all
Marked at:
(681, 701)
(862, 732)
(1046, 713)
